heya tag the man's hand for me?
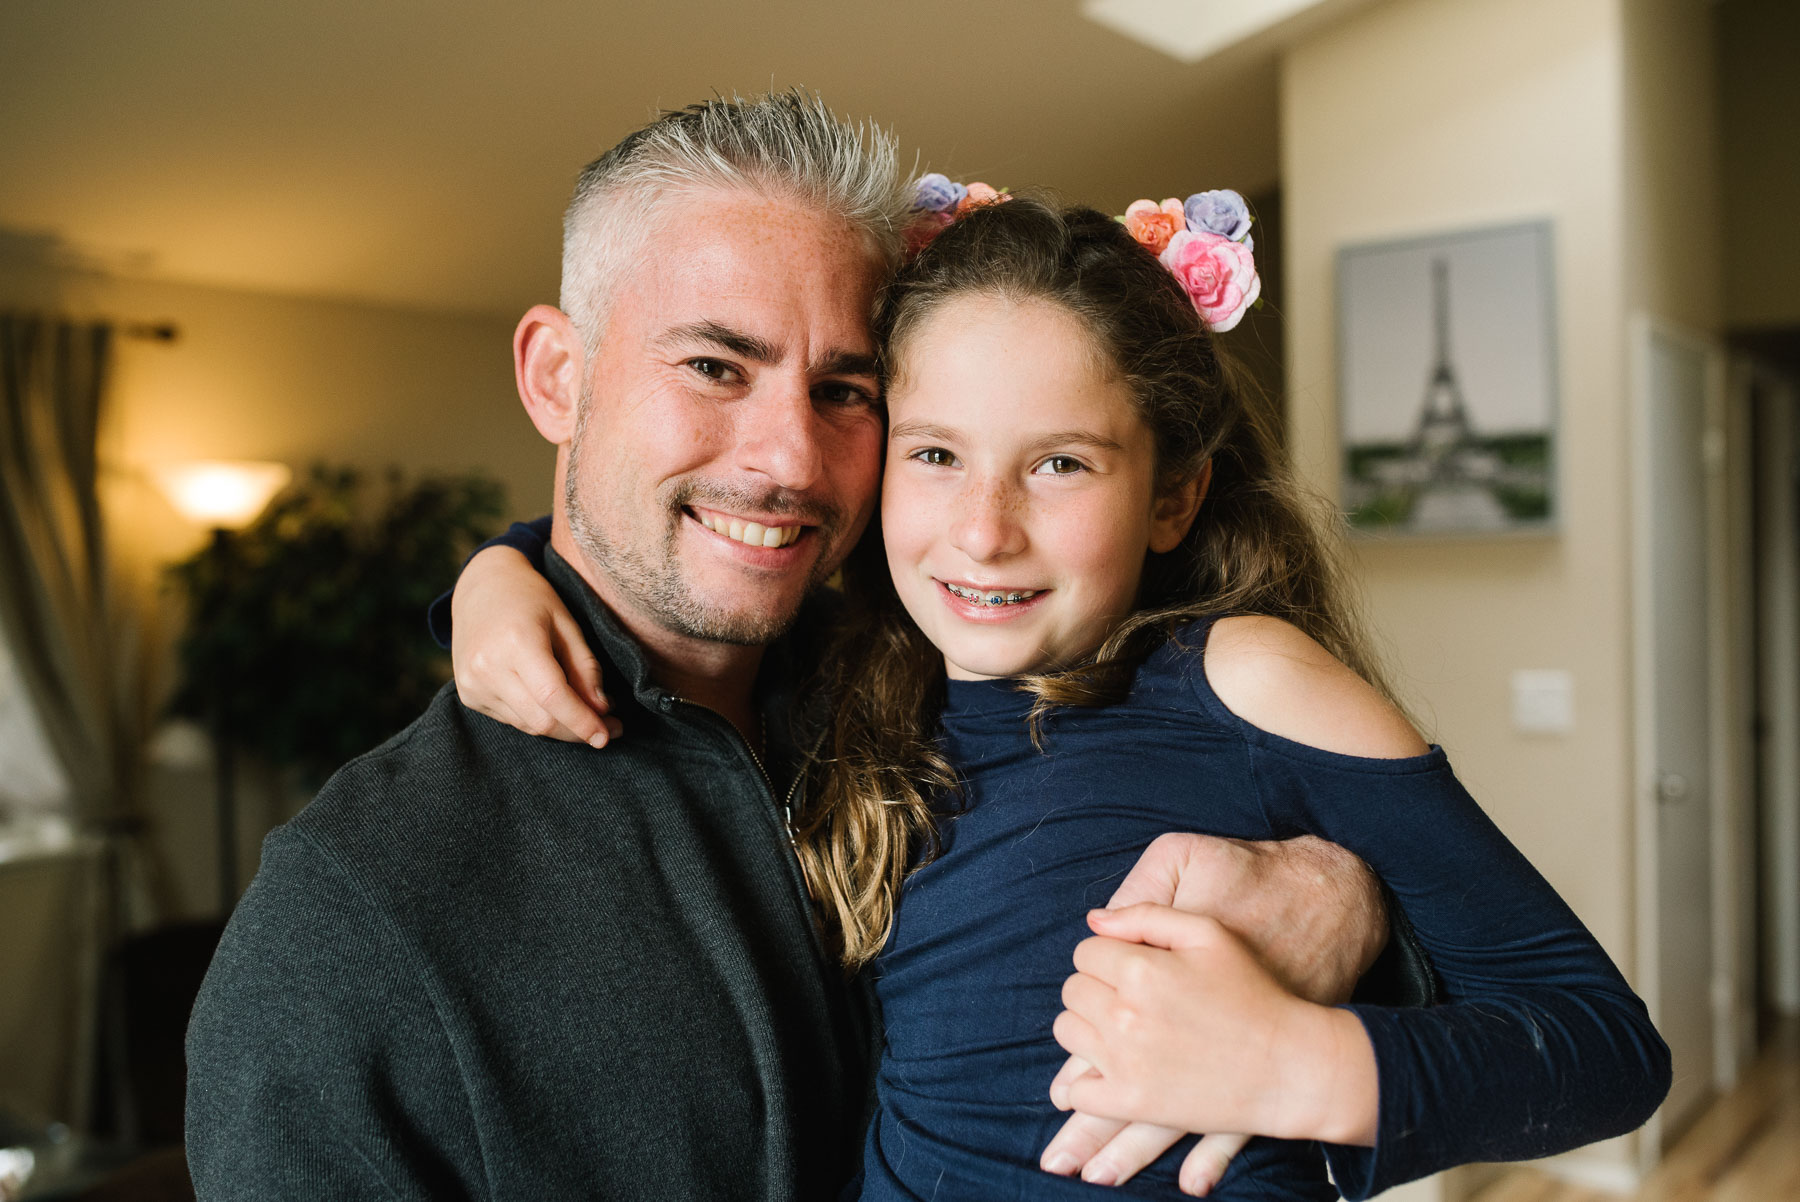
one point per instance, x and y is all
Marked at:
(1308, 909)
(519, 656)
(1311, 914)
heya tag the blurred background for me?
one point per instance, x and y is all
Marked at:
(291, 241)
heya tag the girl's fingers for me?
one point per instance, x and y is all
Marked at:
(1077, 1037)
(1088, 996)
(578, 661)
(1104, 958)
(557, 711)
(1134, 1147)
(1156, 925)
(1205, 1165)
(1072, 1068)
(1077, 1143)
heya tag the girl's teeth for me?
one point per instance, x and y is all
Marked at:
(991, 598)
(751, 534)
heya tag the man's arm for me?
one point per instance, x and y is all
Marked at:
(317, 1067)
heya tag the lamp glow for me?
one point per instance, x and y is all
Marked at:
(220, 493)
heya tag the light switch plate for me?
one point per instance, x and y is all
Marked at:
(1543, 701)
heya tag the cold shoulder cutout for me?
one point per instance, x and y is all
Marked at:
(1273, 676)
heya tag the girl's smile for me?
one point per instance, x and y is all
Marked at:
(1019, 498)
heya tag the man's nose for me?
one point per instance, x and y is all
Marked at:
(780, 435)
(989, 524)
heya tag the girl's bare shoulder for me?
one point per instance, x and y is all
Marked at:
(1274, 676)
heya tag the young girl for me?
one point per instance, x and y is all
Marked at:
(1106, 615)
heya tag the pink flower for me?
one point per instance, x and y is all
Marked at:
(979, 194)
(1153, 224)
(925, 226)
(1218, 274)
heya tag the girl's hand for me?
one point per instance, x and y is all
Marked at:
(1112, 1151)
(1183, 1027)
(519, 656)
(1308, 909)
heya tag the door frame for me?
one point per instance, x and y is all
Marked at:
(1777, 600)
(1723, 784)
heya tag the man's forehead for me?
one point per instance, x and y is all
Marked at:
(753, 286)
(732, 241)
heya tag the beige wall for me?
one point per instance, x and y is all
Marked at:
(1602, 116)
(256, 376)
(1420, 116)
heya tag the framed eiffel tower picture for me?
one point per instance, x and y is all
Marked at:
(1447, 382)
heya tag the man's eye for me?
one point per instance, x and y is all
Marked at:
(837, 393)
(935, 456)
(1061, 465)
(712, 369)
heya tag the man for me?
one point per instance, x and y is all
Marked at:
(486, 965)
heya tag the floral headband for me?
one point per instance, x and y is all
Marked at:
(938, 201)
(1205, 242)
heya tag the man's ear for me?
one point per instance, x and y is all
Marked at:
(1175, 510)
(548, 362)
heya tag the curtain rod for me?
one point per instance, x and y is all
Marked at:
(147, 331)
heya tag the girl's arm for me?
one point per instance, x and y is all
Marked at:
(1540, 1046)
(518, 654)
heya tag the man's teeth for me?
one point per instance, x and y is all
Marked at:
(749, 533)
(980, 597)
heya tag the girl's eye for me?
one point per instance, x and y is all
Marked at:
(1061, 465)
(935, 456)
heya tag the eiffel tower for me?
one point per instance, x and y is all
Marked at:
(1443, 427)
(1452, 476)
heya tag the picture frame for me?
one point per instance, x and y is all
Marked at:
(1447, 383)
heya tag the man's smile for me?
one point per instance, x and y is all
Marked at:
(769, 532)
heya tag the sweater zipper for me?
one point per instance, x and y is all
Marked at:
(786, 805)
(785, 816)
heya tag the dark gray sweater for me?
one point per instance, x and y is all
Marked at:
(486, 965)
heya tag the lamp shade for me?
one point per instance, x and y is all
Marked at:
(222, 493)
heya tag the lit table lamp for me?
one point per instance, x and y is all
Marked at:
(225, 496)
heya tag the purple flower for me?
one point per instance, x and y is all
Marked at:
(1223, 213)
(938, 193)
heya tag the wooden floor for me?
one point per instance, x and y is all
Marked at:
(1745, 1148)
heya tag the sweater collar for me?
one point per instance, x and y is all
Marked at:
(605, 634)
(787, 662)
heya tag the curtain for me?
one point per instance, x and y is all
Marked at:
(57, 611)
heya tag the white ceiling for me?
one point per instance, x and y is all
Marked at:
(418, 152)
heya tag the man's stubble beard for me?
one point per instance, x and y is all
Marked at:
(655, 584)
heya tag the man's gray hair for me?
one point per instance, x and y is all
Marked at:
(785, 145)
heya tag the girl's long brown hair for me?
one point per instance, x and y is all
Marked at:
(879, 781)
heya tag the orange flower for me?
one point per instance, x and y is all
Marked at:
(979, 194)
(1153, 224)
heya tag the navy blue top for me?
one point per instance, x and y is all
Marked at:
(1539, 1047)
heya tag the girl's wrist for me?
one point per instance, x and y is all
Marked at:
(1331, 1091)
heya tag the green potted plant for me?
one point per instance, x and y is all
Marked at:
(306, 641)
